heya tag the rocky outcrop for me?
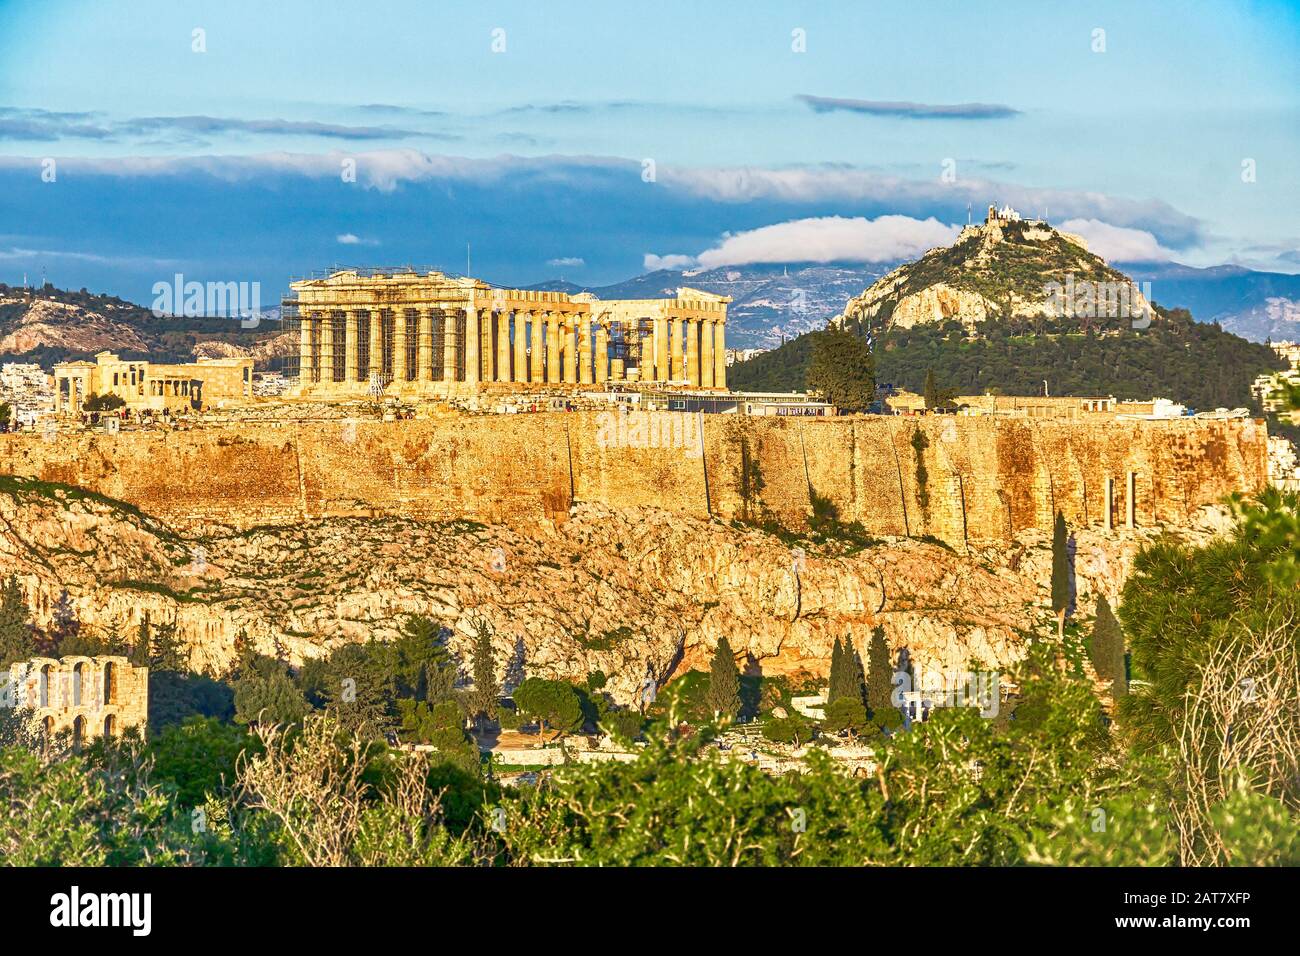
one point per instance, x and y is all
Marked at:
(60, 325)
(633, 593)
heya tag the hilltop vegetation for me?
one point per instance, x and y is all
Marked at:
(1195, 363)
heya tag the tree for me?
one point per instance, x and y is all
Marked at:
(1060, 574)
(846, 670)
(931, 392)
(723, 696)
(165, 650)
(843, 369)
(845, 714)
(66, 625)
(551, 703)
(880, 678)
(1108, 649)
(17, 642)
(265, 693)
(483, 698)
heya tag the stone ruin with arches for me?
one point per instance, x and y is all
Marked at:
(87, 697)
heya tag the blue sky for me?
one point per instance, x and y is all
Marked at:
(527, 130)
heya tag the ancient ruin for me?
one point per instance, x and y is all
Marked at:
(88, 697)
(151, 386)
(395, 332)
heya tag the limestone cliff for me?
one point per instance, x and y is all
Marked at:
(631, 592)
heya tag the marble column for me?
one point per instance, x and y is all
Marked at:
(584, 349)
(675, 346)
(350, 333)
(327, 346)
(472, 357)
(571, 348)
(521, 347)
(503, 346)
(662, 372)
(487, 357)
(706, 353)
(602, 354)
(537, 368)
(552, 348)
(399, 346)
(424, 347)
(693, 352)
(719, 354)
(449, 345)
(306, 372)
(376, 342)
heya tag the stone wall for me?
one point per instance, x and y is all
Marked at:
(958, 479)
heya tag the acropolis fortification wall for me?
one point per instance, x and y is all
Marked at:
(977, 479)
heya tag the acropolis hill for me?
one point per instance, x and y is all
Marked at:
(629, 552)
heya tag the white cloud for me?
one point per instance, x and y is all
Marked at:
(824, 239)
(351, 239)
(654, 262)
(573, 261)
(1118, 243)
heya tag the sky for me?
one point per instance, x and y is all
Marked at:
(525, 141)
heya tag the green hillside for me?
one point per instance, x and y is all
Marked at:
(1195, 363)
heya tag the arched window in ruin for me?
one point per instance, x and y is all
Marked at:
(78, 682)
(110, 683)
(46, 672)
(110, 725)
(78, 732)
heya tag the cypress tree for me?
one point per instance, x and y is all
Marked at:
(931, 390)
(483, 699)
(723, 697)
(1108, 649)
(836, 680)
(880, 677)
(17, 643)
(1060, 574)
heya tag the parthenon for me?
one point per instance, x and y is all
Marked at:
(362, 331)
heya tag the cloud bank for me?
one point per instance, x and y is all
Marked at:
(906, 110)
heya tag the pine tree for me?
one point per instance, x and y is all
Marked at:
(1060, 574)
(880, 677)
(66, 625)
(139, 655)
(165, 650)
(1108, 649)
(723, 697)
(17, 642)
(846, 673)
(483, 698)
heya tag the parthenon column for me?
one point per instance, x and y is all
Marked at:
(602, 353)
(521, 346)
(399, 346)
(536, 363)
(376, 343)
(449, 345)
(503, 346)
(719, 354)
(675, 346)
(571, 348)
(472, 358)
(584, 348)
(350, 373)
(693, 352)
(424, 347)
(487, 357)
(662, 371)
(706, 353)
(306, 372)
(552, 348)
(327, 346)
